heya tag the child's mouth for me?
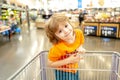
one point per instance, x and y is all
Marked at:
(68, 34)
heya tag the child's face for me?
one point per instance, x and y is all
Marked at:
(64, 32)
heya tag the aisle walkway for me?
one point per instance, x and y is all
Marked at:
(17, 52)
(22, 47)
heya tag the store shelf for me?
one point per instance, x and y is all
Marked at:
(4, 13)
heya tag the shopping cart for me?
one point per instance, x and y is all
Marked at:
(96, 65)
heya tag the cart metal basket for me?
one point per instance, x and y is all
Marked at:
(96, 65)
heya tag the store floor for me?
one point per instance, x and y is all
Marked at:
(22, 47)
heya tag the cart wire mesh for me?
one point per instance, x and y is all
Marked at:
(95, 65)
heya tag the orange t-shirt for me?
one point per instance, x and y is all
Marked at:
(62, 50)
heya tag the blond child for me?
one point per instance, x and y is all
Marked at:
(67, 43)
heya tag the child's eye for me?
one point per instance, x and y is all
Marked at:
(66, 26)
(60, 31)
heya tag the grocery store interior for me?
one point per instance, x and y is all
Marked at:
(19, 45)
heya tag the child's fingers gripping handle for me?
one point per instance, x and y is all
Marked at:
(81, 56)
(74, 58)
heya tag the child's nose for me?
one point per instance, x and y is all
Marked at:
(65, 30)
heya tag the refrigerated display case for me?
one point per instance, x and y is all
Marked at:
(109, 30)
(91, 29)
(119, 31)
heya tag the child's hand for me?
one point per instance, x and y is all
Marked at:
(81, 50)
(74, 58)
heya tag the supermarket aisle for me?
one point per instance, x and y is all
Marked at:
(23, 47)
(15, 53)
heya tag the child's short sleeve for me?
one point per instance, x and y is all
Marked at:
(80, 36)
(53, 54)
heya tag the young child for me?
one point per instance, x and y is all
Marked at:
(67, 43)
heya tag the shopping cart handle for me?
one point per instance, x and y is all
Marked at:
(109, 52)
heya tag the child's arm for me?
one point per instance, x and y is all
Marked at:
(72, 59)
